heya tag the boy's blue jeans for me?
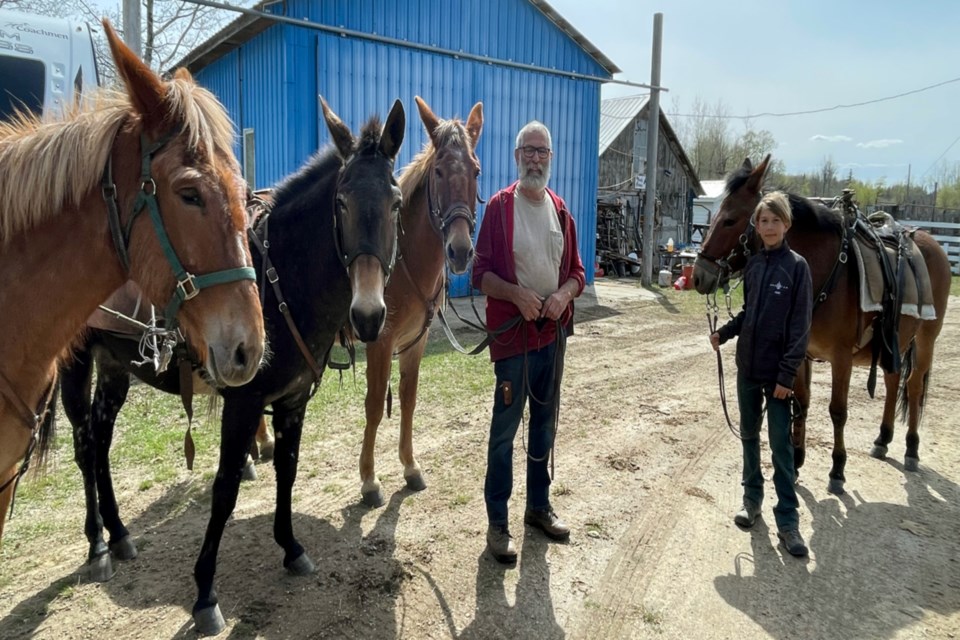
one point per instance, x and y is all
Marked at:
(503, 429)
(750, 394)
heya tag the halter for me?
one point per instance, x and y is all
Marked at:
(349, 254)
(188, 285)
(441, 219)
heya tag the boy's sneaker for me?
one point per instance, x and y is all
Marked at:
(747, 515)
(500, 544)
(793, 542)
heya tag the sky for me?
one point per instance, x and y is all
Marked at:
(777, 56)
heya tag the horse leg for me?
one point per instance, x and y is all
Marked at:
(916, 390)
(801, 390)
(6, 496)
(265, 441)
(378, 378)
(840, 389)
(288, 425)
(75, 383)
(241, 412)
(409, 379)
(113, 383)
(891, 383)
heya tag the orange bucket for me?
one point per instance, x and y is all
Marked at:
(687, 272)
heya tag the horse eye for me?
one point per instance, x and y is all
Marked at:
(396, 205)
(439, 173)
(729, 223)
(191, 197)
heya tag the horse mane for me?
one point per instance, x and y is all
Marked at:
(807, 214)
(447, 132)
(48, 165)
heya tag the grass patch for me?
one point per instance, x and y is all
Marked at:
(955, 286)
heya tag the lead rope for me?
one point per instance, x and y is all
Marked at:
(558, 360)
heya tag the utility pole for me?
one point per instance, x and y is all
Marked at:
(131, 26)
(653, 131)
(906, 196)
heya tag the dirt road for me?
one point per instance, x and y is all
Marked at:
(647, 475)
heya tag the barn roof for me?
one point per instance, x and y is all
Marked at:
(616, 114)
(246, 26)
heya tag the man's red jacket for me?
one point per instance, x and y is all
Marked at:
(495, 253)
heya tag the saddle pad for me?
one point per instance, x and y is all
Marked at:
(916, 305)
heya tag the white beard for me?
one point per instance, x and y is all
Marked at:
(532, 181)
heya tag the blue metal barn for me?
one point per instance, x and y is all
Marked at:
(519, 57)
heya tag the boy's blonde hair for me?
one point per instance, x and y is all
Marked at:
(778, 204)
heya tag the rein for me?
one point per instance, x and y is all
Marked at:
(29, 419)
(188, 285)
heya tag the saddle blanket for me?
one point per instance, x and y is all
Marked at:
(917, 302)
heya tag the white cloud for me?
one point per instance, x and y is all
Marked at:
(831, 138)
(879, 144)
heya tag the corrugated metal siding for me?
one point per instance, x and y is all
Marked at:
(222, 80)
(283, 69)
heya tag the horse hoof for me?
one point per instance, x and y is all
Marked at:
(100, 569)
(266, 452)
(302, 566)
(879, 451)
(416, 482)
(209, 621)
(911, 464)
(123, 549)
(249, 471)
(373, 499)
(836, 487)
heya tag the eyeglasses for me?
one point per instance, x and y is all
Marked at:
(529, 151)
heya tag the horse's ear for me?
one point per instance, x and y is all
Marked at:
(747, 165)
(430, 120)
(393, 129)
(146, 90)
(475, 123)
(342, 137)
(182, 74)
(757, 175)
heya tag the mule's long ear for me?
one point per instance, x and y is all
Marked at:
(146, 90)
(430, 121)
(342, 137)
(757, 176)
(747, 165)
(392, 136)
(475, 123)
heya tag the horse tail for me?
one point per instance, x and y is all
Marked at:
(906, 368)
(47, 429)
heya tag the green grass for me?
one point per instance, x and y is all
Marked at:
(955, 286)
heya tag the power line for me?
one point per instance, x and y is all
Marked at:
(924, 174)
(770, 114)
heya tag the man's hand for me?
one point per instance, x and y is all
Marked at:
(555, 305)
(528, 302)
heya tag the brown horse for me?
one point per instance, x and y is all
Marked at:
(70, 197)
(838, 323)
(437, 220)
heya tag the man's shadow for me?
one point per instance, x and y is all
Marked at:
(877, 567)
(532, 613)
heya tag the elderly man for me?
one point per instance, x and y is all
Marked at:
(527, 265)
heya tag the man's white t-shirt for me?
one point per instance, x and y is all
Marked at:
(537, 243)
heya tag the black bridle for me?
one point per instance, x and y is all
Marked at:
(347, 254)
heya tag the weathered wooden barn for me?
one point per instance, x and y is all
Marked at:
(519, 57)
(621, 189)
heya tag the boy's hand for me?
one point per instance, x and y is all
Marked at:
(715, 341)
(781, 392)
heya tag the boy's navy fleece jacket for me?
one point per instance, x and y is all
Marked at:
(774, 324)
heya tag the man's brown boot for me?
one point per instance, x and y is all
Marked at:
(500, 544)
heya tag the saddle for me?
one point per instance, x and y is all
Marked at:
(893, 281)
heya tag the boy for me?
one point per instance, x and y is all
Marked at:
(774, 328)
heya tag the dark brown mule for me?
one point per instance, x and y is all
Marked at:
(837, 320)
(436, 222)
(168, 148)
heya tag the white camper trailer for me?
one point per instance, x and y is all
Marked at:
(45, 63)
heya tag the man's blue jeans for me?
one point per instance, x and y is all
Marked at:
(503, 429)
(750, 394)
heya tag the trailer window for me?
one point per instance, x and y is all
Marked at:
(21, 85)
